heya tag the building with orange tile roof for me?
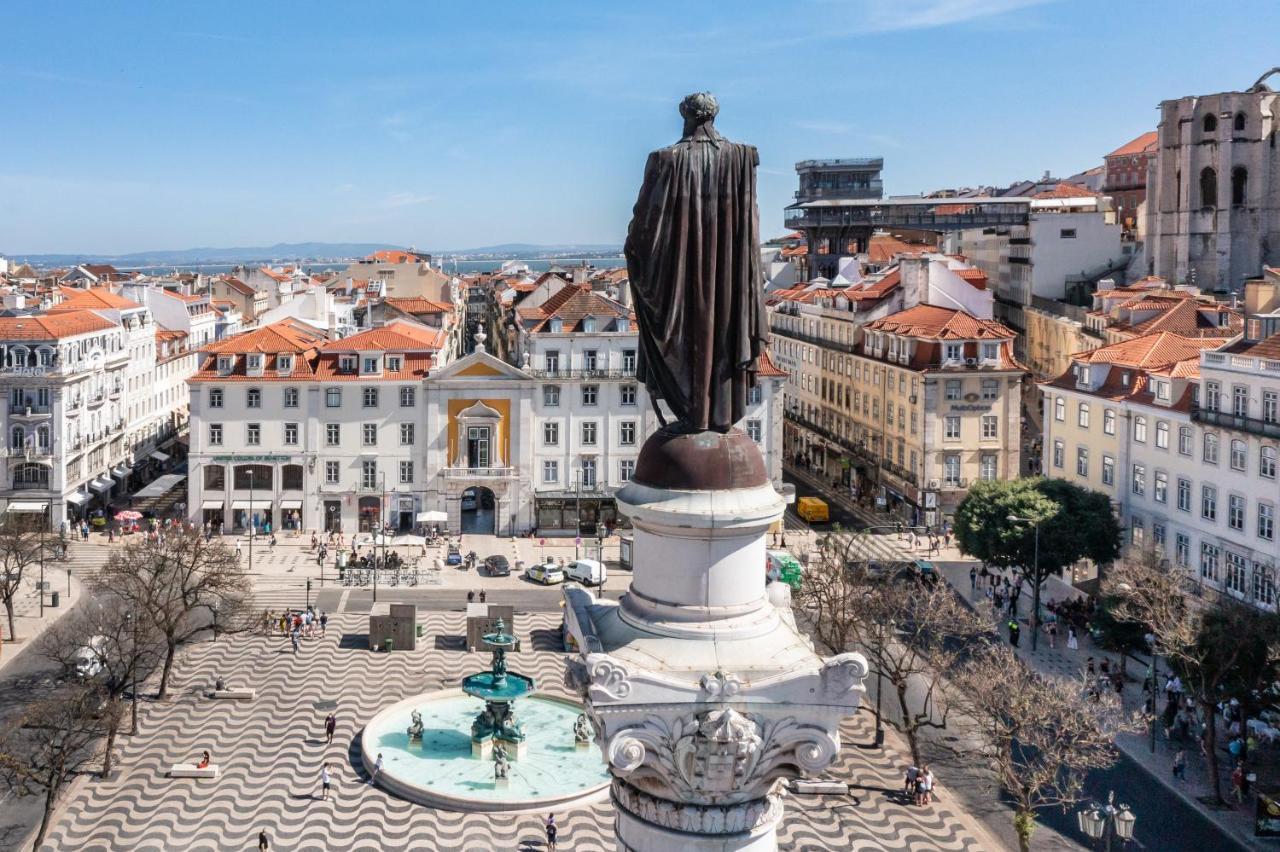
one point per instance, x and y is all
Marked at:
(1125, 178)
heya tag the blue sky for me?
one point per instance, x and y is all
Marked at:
(447, 125)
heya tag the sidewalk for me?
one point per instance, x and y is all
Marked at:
(28, 620)
(1062, 662)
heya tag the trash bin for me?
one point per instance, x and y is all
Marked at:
(419, 631)
(387, 644)
(53, 601)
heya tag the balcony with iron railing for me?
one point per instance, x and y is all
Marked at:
(588, 375)
(1227, 420)
(27, 411)
(814, 340)
(845, 444)
(479, 473)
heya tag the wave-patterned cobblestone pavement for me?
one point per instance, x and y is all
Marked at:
(270, 751)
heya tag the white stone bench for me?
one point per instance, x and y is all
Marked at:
(819, 788)
(235, 694)
(190, 770)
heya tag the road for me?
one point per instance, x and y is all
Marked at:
(847, 520)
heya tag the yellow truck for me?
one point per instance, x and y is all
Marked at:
(813, 509)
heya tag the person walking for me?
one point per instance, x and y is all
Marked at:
(551, 832)
(294, 639)
(263, 843)
(330, 725)
(926, 786)
(238, 552)
(1180, 765)
(1014, 632)
(1073, 643)
(324, 623)
(377, 770)
(973, 579)
(325, 780)
(1052, 629)
(909, 781)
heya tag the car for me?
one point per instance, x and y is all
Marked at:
(589, 572)
(497, 566)
(469, 502)
(453, 557)
(547, 575)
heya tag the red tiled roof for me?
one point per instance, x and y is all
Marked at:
(284, 336)
(239, 286)
(53, 326)
(1144, 143)
(571, 306)
(74, 298)
(1193, 319)
(766, 367)
(393, 337)
(1067, 190)
(397, 256)
(1151, 351)
(934, 323)
(1268, 348)
(418, 305)
(883, 248)
(976, 277)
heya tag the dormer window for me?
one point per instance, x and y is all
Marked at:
(253, 363)
(284, 364)
(394, 363)
(952, 351)
(347, 363)
(1082, 374)
(370, 364)
(1124, 378)
(1162, 390)
(556, 325)
(990, 351)
(588, 324)
(225, 363)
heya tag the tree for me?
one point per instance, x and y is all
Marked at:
(1040, 735)
(179, 585)
(1118, 634)
(1220, 647)
(913, 629)
(124, 649)
(54, 740)
(22, 545)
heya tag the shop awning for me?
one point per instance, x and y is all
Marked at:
(161, 486)
(158, 456)
(101, 485)
(122, 471)
(244, 504)
(79, 498)
(28, 506)
(433, 517)
(211, 504)
(290, 504)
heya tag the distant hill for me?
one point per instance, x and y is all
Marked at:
(284, 252)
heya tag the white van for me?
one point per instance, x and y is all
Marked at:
(588, 572)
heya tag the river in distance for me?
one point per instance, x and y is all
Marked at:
(458, 267)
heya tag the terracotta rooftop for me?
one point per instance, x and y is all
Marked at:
(397, 256)
(239, 286)
(934, 323)
(73, 298)
(766, 367)
(1144, 143)
(53, 326)
(1151, 351)
(284, 336)
(1268, 348)
(571, 305)
(1067, 190)
(1192, 318)
(418, 305)
(392, 337)
(882, 248)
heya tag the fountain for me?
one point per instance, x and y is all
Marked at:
(499, 766)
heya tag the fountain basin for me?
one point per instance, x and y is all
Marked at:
(442, 773)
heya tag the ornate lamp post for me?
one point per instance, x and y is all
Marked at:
(1101, 822)
(1035, 570)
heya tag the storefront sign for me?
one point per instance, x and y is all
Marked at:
(251, 458)
(971, 408)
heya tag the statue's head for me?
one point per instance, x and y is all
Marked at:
(699, 107)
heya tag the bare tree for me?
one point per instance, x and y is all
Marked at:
(830, 596)
(104, 642)
(181, 585)
(1219, 646)
(22, 544)
(55, 739)
(1040, 735)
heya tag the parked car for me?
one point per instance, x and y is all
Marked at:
(589, 572)
(547, 575)
(454, 556)
(497, 566)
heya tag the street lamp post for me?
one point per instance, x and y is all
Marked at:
(879, 656)
(133, 619)
(1035, 572)
(250, 472)
(1102, 822)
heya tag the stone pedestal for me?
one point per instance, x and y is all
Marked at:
(703, 690)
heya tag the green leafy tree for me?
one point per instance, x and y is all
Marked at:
(1117, 633)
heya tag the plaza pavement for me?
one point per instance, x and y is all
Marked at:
(270, 751)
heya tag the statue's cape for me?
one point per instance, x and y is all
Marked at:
(693, 260)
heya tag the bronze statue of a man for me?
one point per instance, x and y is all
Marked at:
(693, 257)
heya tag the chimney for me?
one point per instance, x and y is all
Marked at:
(624, 292)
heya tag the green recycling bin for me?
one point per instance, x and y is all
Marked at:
(419, 627)
(387, 643)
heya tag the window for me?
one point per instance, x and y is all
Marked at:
(332, 434)
(1162, 434)
(1266, 521)
(1235, 573)
(551, 433)
(1059, 452)
(589, 360)
(1137, 531)
(291, 477)
(1182, 549)
(331, 473)
(951, 471)
(1108, 421)
(1161, 490)
(1211, 448)
(253, 363)
(246, 476)
(1067, 233)
(1082, 461)
(626, 470)
(628, 394)
(215, 397)
(369, 434)
(1239, 456)
(224, 363)
(371, 365)
(1140, 429)
(253, 398)
(1240, 401)
(284, 364)
(1082, 415)
(551, 471)
(369, 397)
(253, 434)
(1162, 390)
(406, 472)
(588, 473)
(1238, 123)
(951, 427)
(551, 360)
(628, 361)
(1139, 479)
(333, 397)
(1212, 396)
(368, 474)
(1209, 561)
(551, 395)
(589, 394)
(990, 426)
(215, 434)
(1264, 588)
(394, 362)
(1184, 440)
(589, 433)
(953, 388)
(347, 363)
(991, 352)
(1184, 494)
(1235, 512)
(1239, 186)
(1267, 463)
(291, 433)
(1158, 533)
(1208, 187)
(627, 433)
(408, 397)
(987, 466)
(990, 388)
(753, 430)
(1270, 407)
(290, 397)
(757, 393)
(952, 351)
(406, 434)
(215, 477)
(1108, 470)
(1209, 503)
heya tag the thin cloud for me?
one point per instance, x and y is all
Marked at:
(406, 199)
(898, 15)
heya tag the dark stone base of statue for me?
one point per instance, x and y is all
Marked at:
(678, 458)
(497, 721)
